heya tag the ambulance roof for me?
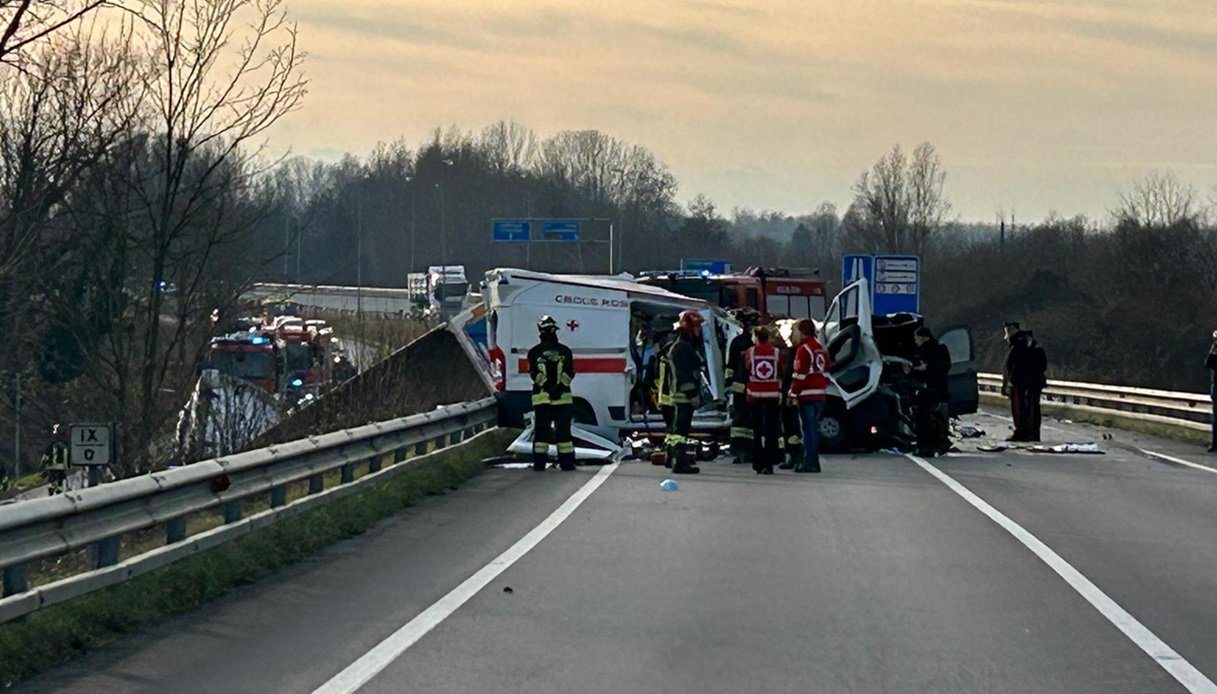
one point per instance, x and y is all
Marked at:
(623, 282)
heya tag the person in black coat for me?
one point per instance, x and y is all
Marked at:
(931, 364)
(1024, 376)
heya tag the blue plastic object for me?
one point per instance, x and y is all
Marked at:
(668, 485)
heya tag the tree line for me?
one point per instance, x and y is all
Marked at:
(137, 204)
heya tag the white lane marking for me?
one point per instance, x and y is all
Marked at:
(374, 661)
(1177, 461)
(1146, 640)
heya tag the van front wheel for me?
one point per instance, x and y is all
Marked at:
(834, 427)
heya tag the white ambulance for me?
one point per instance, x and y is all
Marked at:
(600, 319)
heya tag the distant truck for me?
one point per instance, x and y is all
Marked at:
(446, 288)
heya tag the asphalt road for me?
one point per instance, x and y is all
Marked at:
(874, 576)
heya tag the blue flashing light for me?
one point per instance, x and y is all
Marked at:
(705, 273)
(258, 340)
(297, 383)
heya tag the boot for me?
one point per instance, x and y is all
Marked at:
(682, 466)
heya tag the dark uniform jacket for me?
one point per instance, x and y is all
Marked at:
(1026, 364)
(737, 378)
(552, 368)
(682, 366)
(937, 360)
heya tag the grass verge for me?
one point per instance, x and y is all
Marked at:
(53, 636)
(1114, 420)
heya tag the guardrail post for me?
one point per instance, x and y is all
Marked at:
(15, 580)
(456, 437)
(278, 496)
(175, 530)
(232, 511)
(347, 472)
(420, 448)
(375, 463)
(316, 484)
(104, 553)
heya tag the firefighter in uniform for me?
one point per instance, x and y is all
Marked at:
(809, 386)
(684, 388)
(552, 368)
(736, 378)
(763, 364)
(663, 394)
(55, 463)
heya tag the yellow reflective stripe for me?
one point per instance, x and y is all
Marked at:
(566, 448)
(737, 387)
(741, 433)
(564, 379)
(795, 440)
(540, 447)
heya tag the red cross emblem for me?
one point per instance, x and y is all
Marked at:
(572, 325)
(763, 370)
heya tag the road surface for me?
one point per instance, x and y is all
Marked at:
(993, 572)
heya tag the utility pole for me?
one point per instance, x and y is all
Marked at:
(17, 431)
(287, 246)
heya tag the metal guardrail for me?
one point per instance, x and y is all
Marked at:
(96, 519)
(1190, 410)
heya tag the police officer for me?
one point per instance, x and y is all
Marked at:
(763, 364)
(736, 379)
(684, 387)
(552, 368)
(55, 463)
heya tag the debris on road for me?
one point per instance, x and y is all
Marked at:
(1091, 448)
(668, 485)
(970, 432)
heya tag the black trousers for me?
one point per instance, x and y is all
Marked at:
(551, 424)
(679, 441)
(1025, 409)
(741, 428)
(766, 432)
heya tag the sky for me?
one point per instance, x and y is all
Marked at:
(1035, 106)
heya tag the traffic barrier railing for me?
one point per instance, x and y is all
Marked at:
(1193, 410)
(96, 519)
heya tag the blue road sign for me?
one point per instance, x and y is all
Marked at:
(894, 281)
(560, 230)
(713, 267)
(897, 284)
(511, 230)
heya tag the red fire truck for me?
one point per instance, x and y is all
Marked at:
(775, 292)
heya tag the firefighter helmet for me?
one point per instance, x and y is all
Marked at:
(547, 324)
(691, 321)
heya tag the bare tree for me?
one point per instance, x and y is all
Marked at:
(26, 22)
(508, 147)
(172, 213)
(898, 204)
(1160, 200)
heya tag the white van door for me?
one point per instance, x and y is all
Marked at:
(856, 364)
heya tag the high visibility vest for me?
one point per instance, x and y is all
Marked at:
(763, 364)
(810, 380)
(56, 458)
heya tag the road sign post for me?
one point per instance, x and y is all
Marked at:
(894, 281)
(92, 447)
